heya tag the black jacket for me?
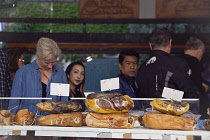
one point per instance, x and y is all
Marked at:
(163, 70)
(196, 69)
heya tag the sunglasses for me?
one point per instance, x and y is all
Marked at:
(21, 60)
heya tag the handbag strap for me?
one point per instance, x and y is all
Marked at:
(44, 74)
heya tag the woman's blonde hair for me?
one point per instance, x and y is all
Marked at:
(47, 48)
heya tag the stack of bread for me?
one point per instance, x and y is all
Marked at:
(109, 111)
(64, 114)
(169, 117)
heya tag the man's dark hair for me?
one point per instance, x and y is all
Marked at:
(128, 52)
(160, 38)
(194, 44)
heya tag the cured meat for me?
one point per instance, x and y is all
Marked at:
(58, 107)
(109, 103)
(165, 121)
(24, 117)
(5, 117)
(73, 119)
(170, 107)
(206, 124)
(110, 120)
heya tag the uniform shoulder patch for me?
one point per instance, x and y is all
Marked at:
(151, 60)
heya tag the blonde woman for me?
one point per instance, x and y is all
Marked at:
(33, 80)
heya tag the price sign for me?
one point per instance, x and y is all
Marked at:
(59, 89)
(110, 84)
(172, 94)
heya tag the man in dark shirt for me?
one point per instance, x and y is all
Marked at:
(163, 70)
(128, 65)
(5, 81)
(193, 52)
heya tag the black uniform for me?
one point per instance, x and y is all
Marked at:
(196, 68)
(163, 70)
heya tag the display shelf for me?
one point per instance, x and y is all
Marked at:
(84, 131)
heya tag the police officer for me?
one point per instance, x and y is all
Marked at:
(163, 70)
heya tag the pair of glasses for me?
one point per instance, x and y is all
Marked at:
(21, 60)
(47, 63)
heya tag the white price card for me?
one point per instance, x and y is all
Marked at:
(59, 89)
(110, 84)
(172, 94)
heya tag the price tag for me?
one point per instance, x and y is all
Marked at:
(104, 135)
(59, 89)
(172, 94)
(110, 84)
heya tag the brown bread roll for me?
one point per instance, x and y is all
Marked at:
(170, 107)
(5, 117)
(24, 117)
(109, 103)
(110, 120)
(165, 121)
(73, 119)
(58, 107)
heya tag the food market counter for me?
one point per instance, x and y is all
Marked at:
(135, 133)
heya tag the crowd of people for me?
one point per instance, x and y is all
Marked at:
(145, 81)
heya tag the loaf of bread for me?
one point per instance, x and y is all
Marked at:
(24, 117)
(111, 120)
(206, 124)
(109, 103)
(170, 107)
(73, 119)
(5, 117)
(84, 119)
(166, 121)
(58, 107)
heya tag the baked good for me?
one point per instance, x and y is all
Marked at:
(166, 121)
(170, 107)
(84, 119)
(5, 117)
(206, 124)
(109, 103)
(73, 119)
(58, 107)
(110, 120)
(24, 117)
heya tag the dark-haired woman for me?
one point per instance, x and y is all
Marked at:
(16, 60)
(75, 73)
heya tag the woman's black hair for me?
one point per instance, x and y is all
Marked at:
(14, 54)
